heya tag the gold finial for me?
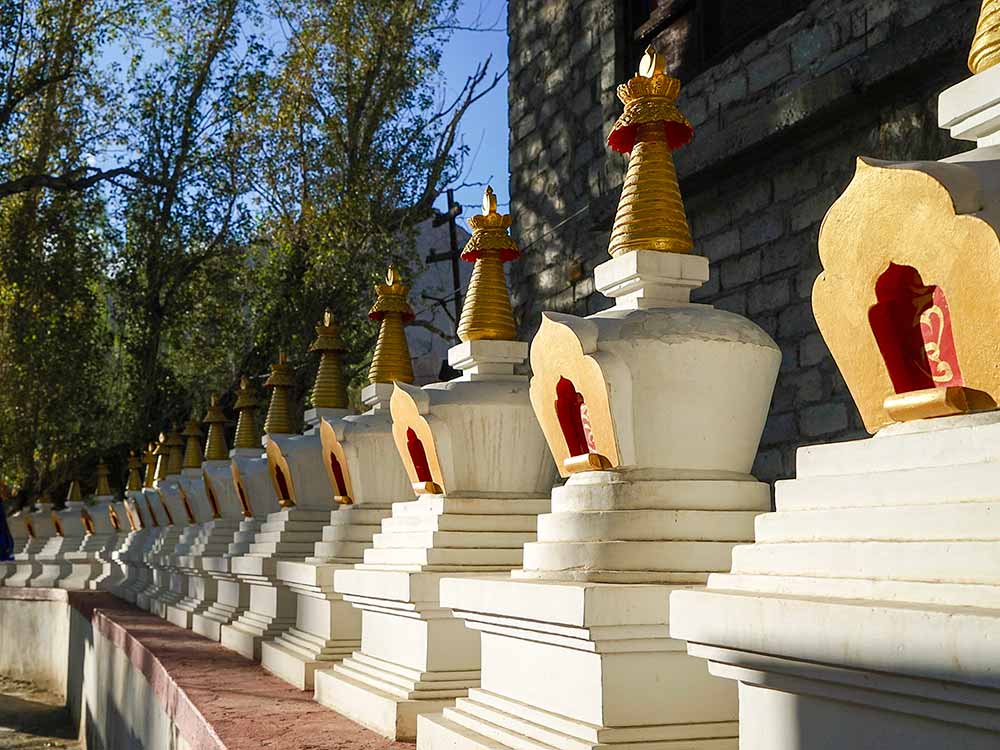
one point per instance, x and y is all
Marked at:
(279, 419)
(103, 488)
(487, 313)
(330, 389)
(650, 212)
(74, 495)
(246, 420)
(215, 445)
(175, 453)
(192, 447)
(150, 459)
(985, 51)
(134, 477)
(391, 360)
(162, 453)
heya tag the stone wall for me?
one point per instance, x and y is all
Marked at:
(778, 129)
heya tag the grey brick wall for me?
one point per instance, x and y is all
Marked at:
(778, 128)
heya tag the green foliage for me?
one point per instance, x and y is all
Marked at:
(179, 201)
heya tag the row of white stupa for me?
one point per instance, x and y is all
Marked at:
(501, 610)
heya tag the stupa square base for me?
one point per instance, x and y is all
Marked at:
(579, 665)
(84, 568)
(201, 591)
(327, 629)
(865, 614)
(415, 657)
(232, 600)
(386, 697)
(899, 692)
(271, 612)
(24, 571)
(50, 574)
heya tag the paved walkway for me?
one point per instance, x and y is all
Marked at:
(31, 719)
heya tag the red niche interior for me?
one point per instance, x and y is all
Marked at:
(574, 419)
(418, 456)
(912, 327)
(284, 494)
(213, 501)
(338, 475)
(244, 503)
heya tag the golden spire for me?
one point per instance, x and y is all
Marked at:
(74, 495)
(330, 390)
(650, 211)
(134, 477)
(391, 360)
(192, 447)
(486, 313)
(103, 488)
(246, 420)
(175, 453)
(215, 445)
(150, 460)
(162, 453)
(279, 419)
(985, 51)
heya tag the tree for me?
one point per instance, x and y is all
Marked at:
(48, 47)
(181, 228)
(355, 144)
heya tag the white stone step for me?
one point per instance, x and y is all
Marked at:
(903, 523)
(453, 539)
(953, 562)
(917, 486)
(453, 522)
(628, 556)
(647, 525)
(492, 557)
(676, 494)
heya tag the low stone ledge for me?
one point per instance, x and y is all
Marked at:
(216, 699)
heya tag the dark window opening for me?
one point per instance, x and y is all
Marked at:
(244, 503)
(284, 494)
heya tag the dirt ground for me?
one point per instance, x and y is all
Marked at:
(32, 719)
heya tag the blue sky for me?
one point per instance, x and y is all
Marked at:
(484, 127)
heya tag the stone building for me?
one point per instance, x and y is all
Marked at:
(783, 94)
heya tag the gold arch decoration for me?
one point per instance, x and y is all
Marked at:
(406, 416)
(281, 475)
(920, 216)
(334, 451)
(557, 353)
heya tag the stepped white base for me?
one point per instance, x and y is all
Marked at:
(53, 569)
(84, 568)
(866, 614)
(579, 666)
(24, 571)
(415, 657)
(201, 591)
(387, 697)
(327, 628)
(271, 611)
(231, 600)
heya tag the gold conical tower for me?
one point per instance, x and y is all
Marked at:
(134, 476)
(215, 445)
(985, 51)
(650, 211)
(149, 458)
(330, 389)
(487, 313)
(74, 495)
(103, 489)
(279, 418)
(246, 419)
(192, 445)
(162, 453)
(391, 360)
(175, 454)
